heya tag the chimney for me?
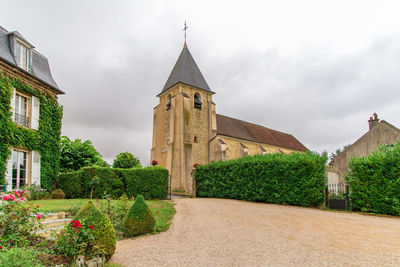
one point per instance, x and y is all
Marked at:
(373, 121)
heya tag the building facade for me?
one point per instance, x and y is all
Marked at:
(187, 129)
(29, 93)
(380, 133)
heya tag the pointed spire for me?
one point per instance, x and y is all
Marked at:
(186, 71)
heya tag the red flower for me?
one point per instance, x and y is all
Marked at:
(157, 211)
(154, 162)
(6, 197)
(72, 221)
(77, 224)
(91, 227)
(37, 205)
(1, 247)
(196, 164)
(39, 216)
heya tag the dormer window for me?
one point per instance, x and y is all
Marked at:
(22, 55)
(197, 100)
(168, 106)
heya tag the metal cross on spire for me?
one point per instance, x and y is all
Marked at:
(184, 29)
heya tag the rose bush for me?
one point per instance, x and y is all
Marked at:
(18, 222)
(75, 239)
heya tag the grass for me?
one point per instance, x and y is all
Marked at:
(163, 217)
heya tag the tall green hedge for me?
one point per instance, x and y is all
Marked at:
(294, 179)
(46, 139)
(374, 181)
(151, 182)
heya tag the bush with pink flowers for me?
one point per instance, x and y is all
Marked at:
(18, 222)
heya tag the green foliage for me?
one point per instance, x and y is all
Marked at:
(17, 225)
(77, 154)
(104, 241)
(57, 194)
(37, 193)
(46, 140)
(19, 257)
(126, 160)
(152, 182)
(375, 181)
(139, 220)
(75, 239)
(116, 211)
(294, 179)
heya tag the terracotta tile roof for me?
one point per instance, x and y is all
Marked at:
(252, 132)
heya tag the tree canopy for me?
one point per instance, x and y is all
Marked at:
(77, 154)
(126, 160)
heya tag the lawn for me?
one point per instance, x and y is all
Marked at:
(163, 210)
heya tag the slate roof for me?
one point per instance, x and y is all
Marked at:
(40, 68)
(252, 132)
(186, 71)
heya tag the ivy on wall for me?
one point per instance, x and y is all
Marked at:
(46, 140)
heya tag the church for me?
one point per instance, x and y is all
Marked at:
(187, 129)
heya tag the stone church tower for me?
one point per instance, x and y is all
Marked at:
(184, 122)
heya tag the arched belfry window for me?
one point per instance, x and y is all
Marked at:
(197, 100)
(168, 106)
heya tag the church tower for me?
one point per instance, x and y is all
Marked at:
(184, 122)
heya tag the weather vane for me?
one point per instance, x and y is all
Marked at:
(184, 29)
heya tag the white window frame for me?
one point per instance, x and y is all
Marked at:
(27, 163)
(19, 58)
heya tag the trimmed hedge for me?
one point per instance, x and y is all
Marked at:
(294, 179)
(374, 181)
(151, 182)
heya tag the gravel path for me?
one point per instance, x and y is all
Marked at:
(219, 232)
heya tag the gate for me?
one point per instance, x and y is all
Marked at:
(337, 196)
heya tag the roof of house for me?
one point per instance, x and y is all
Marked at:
(186, 71)
(40, 68)
(252, 132)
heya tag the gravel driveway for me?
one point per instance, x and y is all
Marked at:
(219, 232)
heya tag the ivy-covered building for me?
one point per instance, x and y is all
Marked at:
(30, 116)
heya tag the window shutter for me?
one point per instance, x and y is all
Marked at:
(35, 178)
(12, 104)
(8, 175)
(35, 113)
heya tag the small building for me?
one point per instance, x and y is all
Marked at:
(31, 116)
(187, 129)
(380, 133)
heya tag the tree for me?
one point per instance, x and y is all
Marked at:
(77, 154)
(126, 160)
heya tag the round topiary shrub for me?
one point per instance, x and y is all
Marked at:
(140, 219)
(103, 231)
(57, 194)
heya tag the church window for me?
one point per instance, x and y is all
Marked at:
(168, 106)
(197, 101)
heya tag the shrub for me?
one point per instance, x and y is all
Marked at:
(374, 181)
(22, 256)
(151, 182)
(104, 241)
(37, 193)
(294, 179)
(76, 239)
(17, 225)
(116, 212)
(57, 194)
(140, 219)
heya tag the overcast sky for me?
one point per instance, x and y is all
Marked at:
(315, 69)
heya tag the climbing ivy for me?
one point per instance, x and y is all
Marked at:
(46, 140)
